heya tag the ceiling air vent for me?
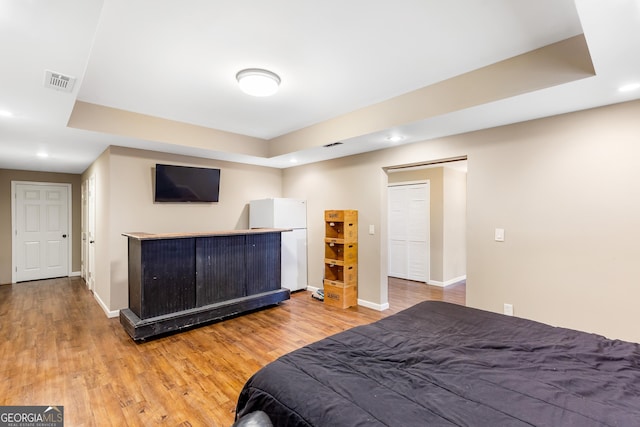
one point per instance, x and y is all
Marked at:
(333, 144)
(58, 81)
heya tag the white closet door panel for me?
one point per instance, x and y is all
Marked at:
(397, 259)
(409, 217)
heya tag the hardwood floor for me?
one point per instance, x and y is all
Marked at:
(58, 348)
(405, 293)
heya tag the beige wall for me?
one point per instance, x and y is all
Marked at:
(348, 183)
(564, 189)
(454, 218)
(125, 204)
(8, 175)
(358, 182)
(100, 170)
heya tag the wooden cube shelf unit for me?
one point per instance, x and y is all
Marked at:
(340, 274)
(340, 252)
(340, 296)
(341, 226)
(341, 258)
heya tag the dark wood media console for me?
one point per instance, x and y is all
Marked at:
(181, 280)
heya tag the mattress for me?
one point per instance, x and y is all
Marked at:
(440, 364)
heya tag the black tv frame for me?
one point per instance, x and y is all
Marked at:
(186, 184)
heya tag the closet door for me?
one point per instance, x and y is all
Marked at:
(409, 231)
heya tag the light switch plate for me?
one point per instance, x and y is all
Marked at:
(372, 229)
(499, 236)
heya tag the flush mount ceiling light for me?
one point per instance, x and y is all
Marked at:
(258, 82)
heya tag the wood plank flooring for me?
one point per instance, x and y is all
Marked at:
(58, 348)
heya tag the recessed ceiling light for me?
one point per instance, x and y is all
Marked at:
(258, 82)
(293, 161)
(395, 138)
(6, 113)
(42, 154)
(629, 87)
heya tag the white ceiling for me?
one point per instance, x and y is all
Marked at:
(177, 60)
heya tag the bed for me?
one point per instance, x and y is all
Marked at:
(441, 364)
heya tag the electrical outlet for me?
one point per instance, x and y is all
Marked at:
(508, 309)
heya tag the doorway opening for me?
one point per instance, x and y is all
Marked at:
(442, 216)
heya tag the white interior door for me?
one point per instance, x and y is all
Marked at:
(91, 232)
(409, 245)
(41, 226)
(83, 233)
(397, 233)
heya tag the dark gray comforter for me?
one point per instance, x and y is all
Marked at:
(439, 364)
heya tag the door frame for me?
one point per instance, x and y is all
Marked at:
(14, 249)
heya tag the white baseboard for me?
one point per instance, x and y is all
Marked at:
(75, 274)
(372, 305)
(363, 303)
(448, 282)
(312, 288)
(110, 314)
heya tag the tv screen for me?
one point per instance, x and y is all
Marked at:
(186, 184)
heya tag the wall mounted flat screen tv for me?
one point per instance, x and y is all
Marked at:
(186, 184)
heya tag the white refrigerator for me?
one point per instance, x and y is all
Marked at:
(286, 213)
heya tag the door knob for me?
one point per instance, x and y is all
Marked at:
(64, 236)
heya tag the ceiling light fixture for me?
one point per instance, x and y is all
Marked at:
(258, 82)
(395, 138)
(42, 154)
(629, 87)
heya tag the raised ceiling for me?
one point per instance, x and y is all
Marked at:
(160, 75)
